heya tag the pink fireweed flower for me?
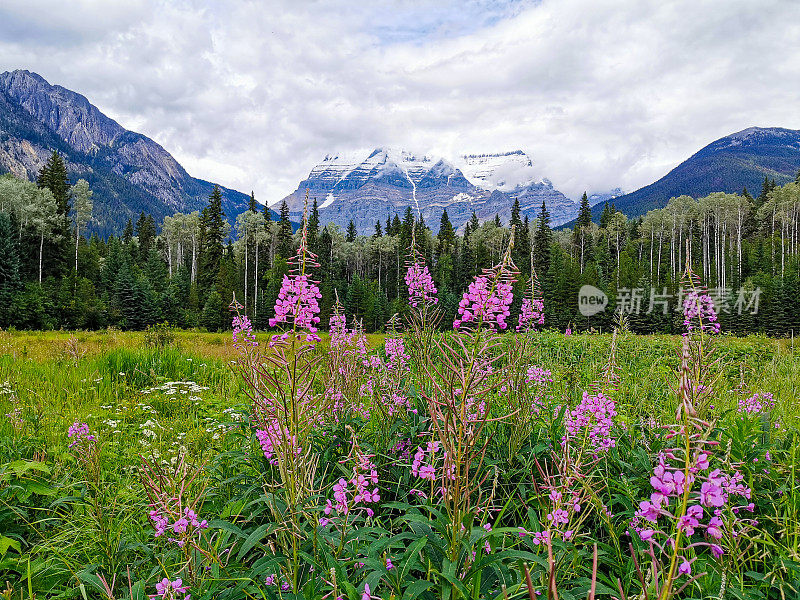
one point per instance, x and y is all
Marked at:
(531, 314)
(79, 434)
(757, 403)
(243, 332)
(275, 439)
(711, 509)
(698, 311)
(358, 494)
(594, 418)
(482, 304)
(170, 590)
(421, 289)
(297, 303)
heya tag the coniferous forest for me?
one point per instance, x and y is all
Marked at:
(56, 274)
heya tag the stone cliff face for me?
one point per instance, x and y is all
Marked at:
(128, 171)
(372, 186)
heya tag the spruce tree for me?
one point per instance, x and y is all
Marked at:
(351, 231)
(378, 231)
(313, 224)
(146, 233)
(473, 222)
(542, 240)
(127, 233)
(284, 232)
(53, 176)
(251, 206)
(446, 235)
(581, 238)
(212, 225)
(9, 269)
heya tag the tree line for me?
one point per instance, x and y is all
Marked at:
(187, 269)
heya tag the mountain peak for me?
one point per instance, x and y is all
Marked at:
(373, 185)
(128, 172)
(729, 164)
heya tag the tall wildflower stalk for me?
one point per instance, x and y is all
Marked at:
(285, 410)
(698, 496)
(463, 382)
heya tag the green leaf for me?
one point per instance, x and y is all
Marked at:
(416, 588)
(252, 540)
(6, 543)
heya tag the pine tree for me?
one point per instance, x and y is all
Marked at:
(497, 221)
(285, 249)
(378, 231)
(396, 225)
(212, 225)
(351, 231)
(252, 204)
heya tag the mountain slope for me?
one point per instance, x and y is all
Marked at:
(127, 171)
(374, 186)
(729, 164)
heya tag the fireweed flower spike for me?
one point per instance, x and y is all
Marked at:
(488, 299)
(532, 309)
(421, 289)
(297, 303)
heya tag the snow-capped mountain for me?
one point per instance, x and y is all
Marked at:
(371, 186)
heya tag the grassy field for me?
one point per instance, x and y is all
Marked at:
(65, 528)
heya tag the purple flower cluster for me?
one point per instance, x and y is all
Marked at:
(710, 509)
(421, 289)
(244, 328)
(186, 525)
(593, 418)
(422, 469)
(757, 403)
(275, 439)
(397, 358)
(297, 303)
(486, 304)
(79, 434)
(539, 376)
(531, 314)
(355, 494)
(698, 311)
(170, 590)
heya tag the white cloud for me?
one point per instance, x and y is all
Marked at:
(601, 93)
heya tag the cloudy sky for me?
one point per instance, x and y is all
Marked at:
(252, 94)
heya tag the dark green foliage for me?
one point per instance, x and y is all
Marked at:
(285, 232)
(212, 226)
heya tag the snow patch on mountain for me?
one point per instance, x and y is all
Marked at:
(506, 171)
